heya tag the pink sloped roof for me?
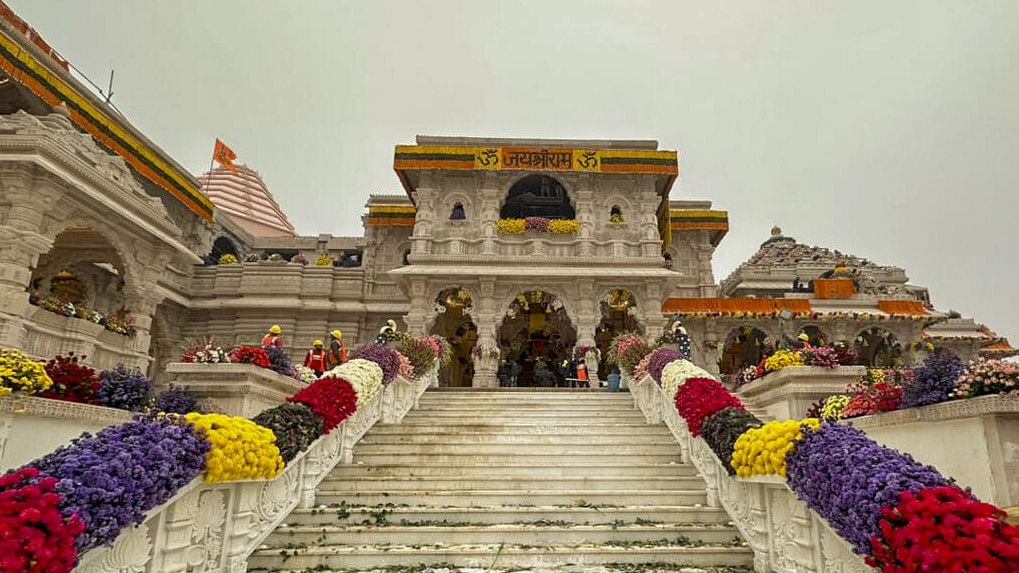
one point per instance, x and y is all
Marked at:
(245, 197)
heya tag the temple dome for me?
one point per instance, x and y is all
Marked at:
(244, 196)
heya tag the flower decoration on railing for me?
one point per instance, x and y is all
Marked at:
(227, 259)
(782, 359)
(323, 260)
(19, 374)
(250, 355)
(241, 449)
(37, 537)
(72, 380)
(485, 351)
(111, 322)
(176, 400)
(124, 388)
(382, 355)
(899, 514)
(626, 351)
(299, 259)
(203, 351)
(537, 225)
(331, 398)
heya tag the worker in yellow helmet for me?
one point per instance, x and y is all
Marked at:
(273, 337)
(337, 351)
(316, 358)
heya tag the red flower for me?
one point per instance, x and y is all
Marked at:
(250, 355)
(72, 382)
(700, 398)
(329, 397)
(34, 536)
(943, 529)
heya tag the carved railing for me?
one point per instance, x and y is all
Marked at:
(214, 527)
(50, 334)
(785, 535)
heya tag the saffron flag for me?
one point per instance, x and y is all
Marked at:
(224, 156)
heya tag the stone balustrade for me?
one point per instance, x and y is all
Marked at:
(33, 427)
(974, 441)
(49, 334)
(234, 389)
(789, 392)
(213, 527)
(785, 535)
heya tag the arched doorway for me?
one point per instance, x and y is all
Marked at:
(618, 315)
(815, 334)
(878, 348)
(82, 276)
(453, 321)
(744, 346)
(537, 196)
(536, 330)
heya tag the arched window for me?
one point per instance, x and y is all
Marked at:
(616, 214)
(223, 246)
(457, 214)
(537, 196)
(406, 257)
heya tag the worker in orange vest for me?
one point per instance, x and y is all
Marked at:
(337, 351)
(273, 338)
(316, 358)
(582, 380)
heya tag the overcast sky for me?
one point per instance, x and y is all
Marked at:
(885, 129)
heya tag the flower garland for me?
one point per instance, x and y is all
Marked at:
(36, 537)
(676, 373)
(536, 224)
(386, 358)
(364, 376)
(21, 374)
(563, 227)
(294, 425)
(241, 449)
(938, 529)
(511, 226)
(699, 398)
(124, 388)
(721, 430)
(762, 451)
(113, 478)
(331, 398)
(250, 355)
(72, 380)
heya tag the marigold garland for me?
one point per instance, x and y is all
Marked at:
(511, 226)
(563, 226)
(241, 449)
(21, 374)
(762, 451)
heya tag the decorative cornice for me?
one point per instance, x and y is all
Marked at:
(32, 406)
(998, 405)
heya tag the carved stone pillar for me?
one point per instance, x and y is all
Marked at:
(488, 216)
(420, 308)
(486, 354)
(141, 303)
(21, 243)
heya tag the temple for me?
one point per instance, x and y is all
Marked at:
(529, 256)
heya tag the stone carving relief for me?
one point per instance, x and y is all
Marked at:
(130, 554)
(206, 513)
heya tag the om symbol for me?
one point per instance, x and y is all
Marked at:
(588, 160)
(488, 157)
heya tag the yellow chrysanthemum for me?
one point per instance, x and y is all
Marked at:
(19, 373)
(762, 451)
(563, 226)
(783, 359)
(511, 226)
(241, 449)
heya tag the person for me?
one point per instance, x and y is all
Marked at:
(582, 380)
(337, 351)
(273, 337)
(387, 332)
(514, 373)
(804, 341)
(542, 374)
(316, 358)
(503, 373)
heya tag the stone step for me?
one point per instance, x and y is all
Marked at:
(513, 497)
(519, 458)
(348, 557)
(470, 470)
(512, 438)
(562, 426)
(470, 449)
(517, 405)
(468, 485)
(497, 415)
(513, 534)
(523, 394)
(501, 514)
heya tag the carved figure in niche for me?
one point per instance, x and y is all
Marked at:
(668, 260)
(458, 212)
(616, 214)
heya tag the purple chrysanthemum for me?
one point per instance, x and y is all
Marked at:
(384, 356)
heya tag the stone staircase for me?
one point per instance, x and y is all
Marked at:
(508, 481)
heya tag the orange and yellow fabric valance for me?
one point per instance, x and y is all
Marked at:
(734, 305)
(834, 288)
(902, 307)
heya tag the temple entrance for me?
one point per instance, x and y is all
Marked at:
(618, 310)
(744, 346)
(535, 338)
(454, 322)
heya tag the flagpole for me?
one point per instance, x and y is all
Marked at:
(212, 162)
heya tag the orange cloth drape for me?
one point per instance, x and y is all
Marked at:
(730, 305)
(834, 288)
(900, 307)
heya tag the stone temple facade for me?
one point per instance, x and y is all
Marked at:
(512, 248)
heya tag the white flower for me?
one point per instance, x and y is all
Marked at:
(677, 372)
(364, 376)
